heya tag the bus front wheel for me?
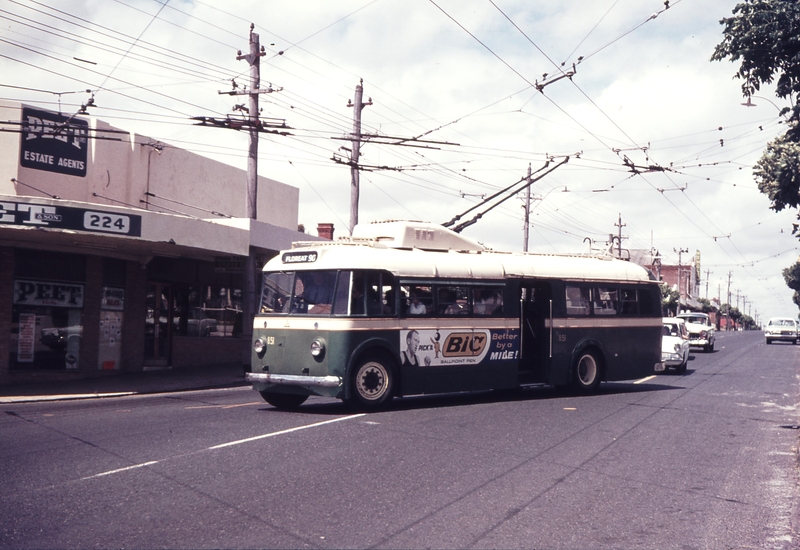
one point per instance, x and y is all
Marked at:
(372, 382)
(586, 375)
(284, 401)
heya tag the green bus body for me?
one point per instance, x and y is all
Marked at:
(549, 320)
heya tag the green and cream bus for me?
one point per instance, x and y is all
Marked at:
(403, 308)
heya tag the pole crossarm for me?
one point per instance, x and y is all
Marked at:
(234, 123)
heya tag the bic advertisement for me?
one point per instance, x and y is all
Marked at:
(433, 348)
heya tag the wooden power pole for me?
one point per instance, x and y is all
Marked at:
(358, 106)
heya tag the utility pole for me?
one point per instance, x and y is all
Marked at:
(527, 211)
(358, 106)
(620, 225)
(254, 125)
(728, 313)
(680, 251)
(708, 273)
(249, 282)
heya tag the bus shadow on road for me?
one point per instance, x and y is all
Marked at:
(461, 399)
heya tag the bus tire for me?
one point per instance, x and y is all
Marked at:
(372, 382)
(587, 372)
(284, 401)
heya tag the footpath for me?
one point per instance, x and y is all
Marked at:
(117, 385)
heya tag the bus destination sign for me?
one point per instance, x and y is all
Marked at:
(299, 257)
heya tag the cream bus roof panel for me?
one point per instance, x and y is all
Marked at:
(427, 250)
(484, 265)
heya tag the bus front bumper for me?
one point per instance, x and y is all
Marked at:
(293, 379)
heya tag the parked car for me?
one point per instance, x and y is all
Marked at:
(782, 329)
(701, 331)
(675, 344)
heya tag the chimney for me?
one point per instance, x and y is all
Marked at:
(325, 230)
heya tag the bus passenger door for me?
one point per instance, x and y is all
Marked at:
(535, 317)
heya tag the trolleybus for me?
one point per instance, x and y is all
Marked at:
(403, 308)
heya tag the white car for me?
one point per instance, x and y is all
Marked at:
(782, 329)
(701, 331)
(674, 344)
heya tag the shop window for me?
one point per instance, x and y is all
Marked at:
(46, 325)
(207, 311)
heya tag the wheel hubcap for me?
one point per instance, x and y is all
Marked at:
(587, 370)
(371, 381)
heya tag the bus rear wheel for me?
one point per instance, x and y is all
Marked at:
(284, 401)
(372, 382)
(586, 375)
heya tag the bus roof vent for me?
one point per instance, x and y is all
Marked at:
(408, 234)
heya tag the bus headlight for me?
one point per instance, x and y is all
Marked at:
(318, 348)
(260, 346)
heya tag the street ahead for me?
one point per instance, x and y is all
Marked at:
(701, 460)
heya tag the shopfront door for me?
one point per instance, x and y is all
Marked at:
(158, 326)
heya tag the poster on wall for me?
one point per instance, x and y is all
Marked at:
(433, 348)
(54, 142)
(27, 338)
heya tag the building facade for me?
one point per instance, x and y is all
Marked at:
(120, 253)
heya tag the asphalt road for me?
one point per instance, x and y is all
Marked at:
(702, 460)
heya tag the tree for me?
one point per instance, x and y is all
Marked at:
(669, 300)
(792, 277)
(764, 35)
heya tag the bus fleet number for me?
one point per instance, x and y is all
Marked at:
(103, 221)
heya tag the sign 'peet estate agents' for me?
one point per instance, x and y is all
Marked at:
(53, 142)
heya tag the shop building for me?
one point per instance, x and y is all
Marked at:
(119, 253)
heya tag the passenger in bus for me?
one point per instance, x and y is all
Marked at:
(409, 355)
(486, 302)
(416, 307)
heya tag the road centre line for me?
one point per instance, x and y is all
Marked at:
(281, 432)
(645, 379)
(229, 444)
(118, 470)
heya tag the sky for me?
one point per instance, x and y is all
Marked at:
(653, 133)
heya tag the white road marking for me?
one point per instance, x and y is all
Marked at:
(281, 432)
(645, 379)
(121, 469)
(229, 444)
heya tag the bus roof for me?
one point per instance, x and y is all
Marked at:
(424, 250)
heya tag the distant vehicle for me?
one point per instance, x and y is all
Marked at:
(782, 329)
(675, 344)
(701, 331)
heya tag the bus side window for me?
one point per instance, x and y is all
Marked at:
(577, 300)
(452, 300)
(380, 293)
(648, 301)
(487, 301)
(605, 301)
(628, 302)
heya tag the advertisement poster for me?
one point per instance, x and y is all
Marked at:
(433, 348)
(27, 337)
